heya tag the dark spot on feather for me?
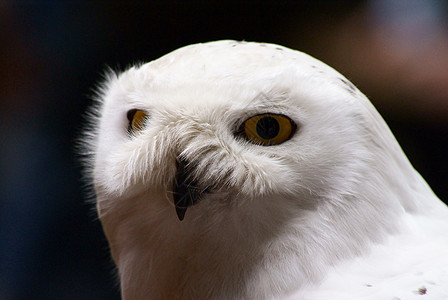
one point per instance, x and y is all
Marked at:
(422, 291)
(318, 70)
(348, 86)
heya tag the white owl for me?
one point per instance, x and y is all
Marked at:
(237, 170)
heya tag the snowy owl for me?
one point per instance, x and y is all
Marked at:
(242, 170)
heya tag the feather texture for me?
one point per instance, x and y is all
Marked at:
(334, 212)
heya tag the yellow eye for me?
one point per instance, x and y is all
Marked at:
(268, 129)
(136, 119)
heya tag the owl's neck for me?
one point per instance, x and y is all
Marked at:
(240, 253)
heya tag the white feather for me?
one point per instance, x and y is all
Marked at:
(336, 212)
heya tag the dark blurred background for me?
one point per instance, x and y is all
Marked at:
(52, 54)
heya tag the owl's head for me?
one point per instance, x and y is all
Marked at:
(228, 123)
(242, 130)
(232, 125)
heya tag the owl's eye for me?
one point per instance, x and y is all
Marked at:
(136, 119)
(268, 129)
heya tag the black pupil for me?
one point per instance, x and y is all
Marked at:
(268, 128)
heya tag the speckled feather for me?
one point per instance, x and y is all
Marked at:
(335, 212)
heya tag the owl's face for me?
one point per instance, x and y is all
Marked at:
(213, 132)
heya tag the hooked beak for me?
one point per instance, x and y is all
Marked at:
(185, 190)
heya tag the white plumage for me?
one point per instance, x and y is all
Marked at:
(315, 201)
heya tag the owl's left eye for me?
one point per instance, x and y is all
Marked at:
(268, 129)
(136, 118)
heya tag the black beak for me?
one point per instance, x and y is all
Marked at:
(185, 190)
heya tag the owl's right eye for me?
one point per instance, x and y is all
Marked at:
(268, 129)
(136, 118)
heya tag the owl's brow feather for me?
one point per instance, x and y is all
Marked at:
(268, 102)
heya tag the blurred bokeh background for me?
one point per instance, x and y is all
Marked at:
(52, 54)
